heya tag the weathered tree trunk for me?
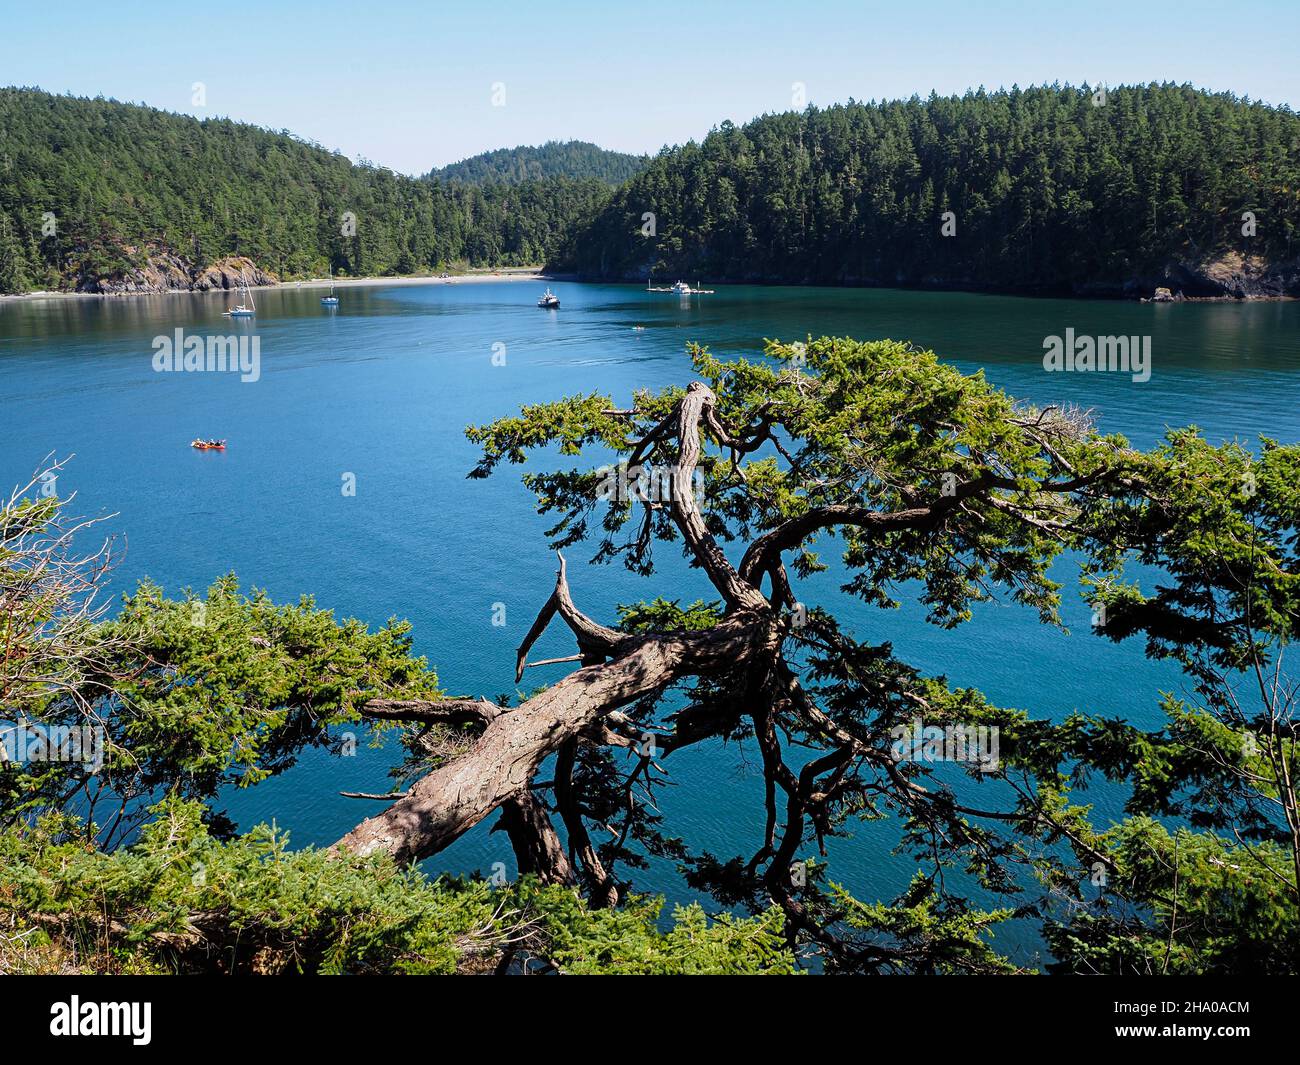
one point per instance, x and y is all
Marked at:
(449, 801)
(498, 768)
(537, 847)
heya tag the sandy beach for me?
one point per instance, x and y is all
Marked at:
(476, 277)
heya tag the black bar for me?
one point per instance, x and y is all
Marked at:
(246, 1013)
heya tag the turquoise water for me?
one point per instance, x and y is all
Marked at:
(382, 389)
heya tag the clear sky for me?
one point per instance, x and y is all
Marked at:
(410, 85)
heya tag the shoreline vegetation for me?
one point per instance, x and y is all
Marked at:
(1058, 191)
(470, 277)
(1051, 190)
(553, 276)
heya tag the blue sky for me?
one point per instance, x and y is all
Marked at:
(410, 85)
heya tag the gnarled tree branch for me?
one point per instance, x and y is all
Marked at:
(452, 799)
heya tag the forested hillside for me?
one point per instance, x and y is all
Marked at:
(554, 159)
(1050, 188)
(92, 190)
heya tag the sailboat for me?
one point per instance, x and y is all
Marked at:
(331, 300)
(247, 308)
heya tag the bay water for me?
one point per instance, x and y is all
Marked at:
(378, 392)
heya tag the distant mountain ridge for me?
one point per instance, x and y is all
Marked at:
(554, 159)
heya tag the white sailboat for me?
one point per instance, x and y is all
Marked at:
(247, 307)
(331, 300)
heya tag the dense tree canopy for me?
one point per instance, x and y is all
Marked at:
(119, 182)
(1049, 188)
(564, 159)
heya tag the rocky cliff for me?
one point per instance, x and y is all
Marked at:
(1237, 276)
(165, 271)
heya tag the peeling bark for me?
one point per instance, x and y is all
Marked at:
(452, 799)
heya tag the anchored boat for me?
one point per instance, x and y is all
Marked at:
(549, 300)
(246, 309)
(331, 300)
(681, 288)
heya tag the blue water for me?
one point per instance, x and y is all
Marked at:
(382, 389)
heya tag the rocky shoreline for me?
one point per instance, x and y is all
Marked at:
(1230, 276)
(1227, 278)
(168, 272)
(505, 274)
